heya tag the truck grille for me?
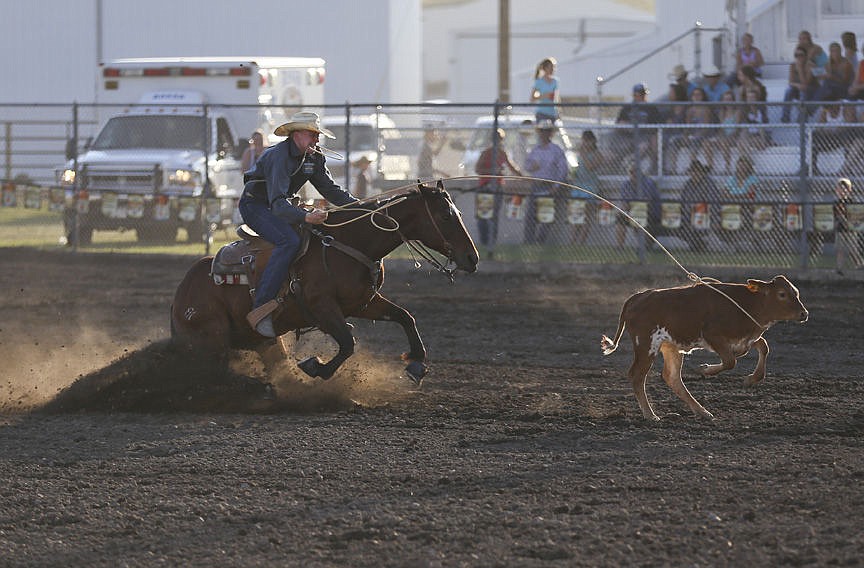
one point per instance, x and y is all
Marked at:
(124, 181)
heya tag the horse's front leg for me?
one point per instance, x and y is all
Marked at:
(380, 308)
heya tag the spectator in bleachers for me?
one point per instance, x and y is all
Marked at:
(675, 114)
(815, 53)
(698, 189)
(524, 141)
(838, 76)
(753, 138)
(748, 55)
(743, 184)
(856, 89)
(750, 80)
(713, 86)
(544, 91)
(846, 241)
(832, 134)
(642, 113)
(638, 187)
(433, 143)
(545, 161)
(586, 175)
(802, 82)
(850, 48)
(693, 139)
(728, 115)
(678, 76)
(491, 162)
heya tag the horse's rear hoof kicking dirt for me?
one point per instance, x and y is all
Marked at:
(337, 277)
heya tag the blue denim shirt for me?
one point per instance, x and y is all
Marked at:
(285, 169)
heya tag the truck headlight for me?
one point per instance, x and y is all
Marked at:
(186, 178)
(67, 177)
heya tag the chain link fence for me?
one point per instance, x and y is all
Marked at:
(744, 189)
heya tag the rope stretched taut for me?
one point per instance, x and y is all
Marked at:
(692, 276)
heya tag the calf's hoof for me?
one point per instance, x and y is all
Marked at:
(416, 371)
(753, 380)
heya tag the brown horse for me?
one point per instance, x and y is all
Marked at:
(337, 277)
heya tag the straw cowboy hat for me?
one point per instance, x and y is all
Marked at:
(677, 72)
(361, 161)
(712, 71)
(304, 120)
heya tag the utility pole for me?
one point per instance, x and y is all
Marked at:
(504, 51)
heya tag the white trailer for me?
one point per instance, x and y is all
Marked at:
(171, 134)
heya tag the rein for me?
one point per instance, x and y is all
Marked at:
(414, 247)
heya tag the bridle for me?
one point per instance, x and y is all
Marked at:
(415, 248)
(424, 252)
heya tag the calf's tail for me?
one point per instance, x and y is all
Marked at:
(610, 345)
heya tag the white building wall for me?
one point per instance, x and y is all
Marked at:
(372, 48)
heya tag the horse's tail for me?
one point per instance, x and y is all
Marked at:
(171, 322)
(608, 345)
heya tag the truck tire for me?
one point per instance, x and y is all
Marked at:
(84, 235)
(156, 233)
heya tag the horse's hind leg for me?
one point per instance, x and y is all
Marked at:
(330, 321)
(380, 308)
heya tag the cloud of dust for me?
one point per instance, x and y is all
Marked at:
(35, 368)
(364, 380)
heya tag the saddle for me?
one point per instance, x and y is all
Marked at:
(238, 262)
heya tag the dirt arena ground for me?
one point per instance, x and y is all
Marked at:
(524, 446)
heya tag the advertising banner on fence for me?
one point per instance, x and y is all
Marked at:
(763, 217)
(700, 218)
(606, 215)
(516, 208)
(855, 216)
(823, 217)
(545, 209)
(484, 205)
(639, 212)
(793, 217)
(576, 212)
(730, 217)
(671, 215)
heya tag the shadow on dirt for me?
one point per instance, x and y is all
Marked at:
(163, 377)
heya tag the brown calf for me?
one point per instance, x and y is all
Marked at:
(676, 321)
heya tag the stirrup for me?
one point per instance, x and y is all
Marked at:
(255, 316)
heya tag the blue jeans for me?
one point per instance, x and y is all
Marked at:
(794, 93)
(286, 243)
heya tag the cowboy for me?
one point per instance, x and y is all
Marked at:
(266, 204)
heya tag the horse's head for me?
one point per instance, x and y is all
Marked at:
(438, 225)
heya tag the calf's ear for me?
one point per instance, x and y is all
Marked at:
(753, 285)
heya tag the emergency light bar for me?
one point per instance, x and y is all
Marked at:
(176, 71)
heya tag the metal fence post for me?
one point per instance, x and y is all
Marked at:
(206, 194)
(8, 150)
(498, 197)
(804, 190)
(348, 147)
(76, 222)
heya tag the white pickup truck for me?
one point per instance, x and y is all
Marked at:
(168, 155)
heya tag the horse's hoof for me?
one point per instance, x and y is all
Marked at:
(310, 366)
(416, 371)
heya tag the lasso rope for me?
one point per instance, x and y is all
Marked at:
(692, 276)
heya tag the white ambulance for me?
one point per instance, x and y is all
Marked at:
(167, 155)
